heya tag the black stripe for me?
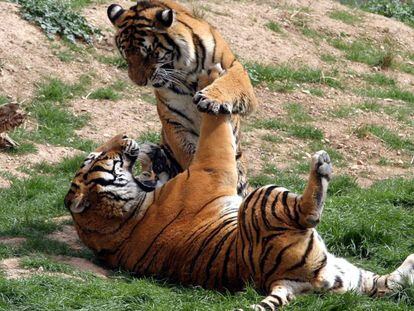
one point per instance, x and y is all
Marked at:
(214, 256)
(224, 273)
(178, 112)
(278, 261)
(76, 186)
(302, 262)
(279, 300)
(207, 241)
(153, 241)
(321, 266)
(198, 42)
(285, 205)
(264, 205)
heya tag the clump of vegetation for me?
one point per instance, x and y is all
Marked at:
(365, 51)
(55, 123)
(346, 17)
(400, 10)
(58, 18)
(390, 138)
(273, 26)
(276, 74)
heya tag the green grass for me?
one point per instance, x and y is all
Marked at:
(342, 111)
(391, 92)
(302, 131)
(311, 33)
(116, 61)
(346, 17)
(149, 136)
(390, 138)
(316, 92)
(328, 58)
(297, 113)
(273, 26)
(379, 79)
(3, 100)
(105, 93)
(23, 148)
(400, 10)
(272, 138)
(364, 51)
(271, 75)
(56, 124)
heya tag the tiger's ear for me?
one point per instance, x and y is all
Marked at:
(165, 17)
(78, 204)
(114, 11)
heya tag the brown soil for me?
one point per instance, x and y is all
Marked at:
(13, 270)
(12, 241)
(69, 236)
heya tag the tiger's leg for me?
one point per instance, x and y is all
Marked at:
(310, 204)
(282, 293)
(230, 93)
(340, 276)
(215, 155)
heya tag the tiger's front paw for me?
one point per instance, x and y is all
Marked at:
(131, 147)
(213, 106)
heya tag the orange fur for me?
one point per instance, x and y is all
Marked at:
(196, 47)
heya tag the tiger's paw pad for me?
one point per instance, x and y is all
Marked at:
(205, 104)
(321, 163)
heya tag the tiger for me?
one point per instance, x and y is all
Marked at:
(194, 229)
(167, 47)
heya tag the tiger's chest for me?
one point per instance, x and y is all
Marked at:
(179, 111)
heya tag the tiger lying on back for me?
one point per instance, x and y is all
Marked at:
(196, 230)
(168, 48)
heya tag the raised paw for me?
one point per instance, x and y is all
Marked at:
(206, 104)
(131, 147)
(321, 163)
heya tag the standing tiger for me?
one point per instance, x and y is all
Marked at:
(195, 229)
(168, 48)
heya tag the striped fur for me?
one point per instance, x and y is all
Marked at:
(194, 229)
(168, 48)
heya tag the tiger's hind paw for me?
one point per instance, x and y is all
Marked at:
(321, 164)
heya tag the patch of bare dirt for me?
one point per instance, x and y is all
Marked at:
(130, 116)
(83, 265)
(62, 219)
(12, 241)
(69, 236)
(4, 183)
(12, 268)
(48, 153)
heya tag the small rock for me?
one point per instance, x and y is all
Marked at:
(359, 162)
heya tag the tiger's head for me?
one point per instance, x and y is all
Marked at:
(156, 43)
(104, 191)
